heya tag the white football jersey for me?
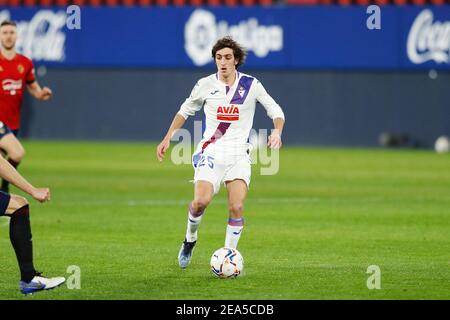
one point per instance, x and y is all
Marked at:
(229, 111)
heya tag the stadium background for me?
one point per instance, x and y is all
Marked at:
(313, 229)
(124, 73)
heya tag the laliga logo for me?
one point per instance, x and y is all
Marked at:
(428, 40)
(202, 30)
(41, 38)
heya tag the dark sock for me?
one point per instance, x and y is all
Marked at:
(15, 164)
(5, 186)
(5, 183)
(20, 235)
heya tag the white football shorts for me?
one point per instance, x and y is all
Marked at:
(218, 171)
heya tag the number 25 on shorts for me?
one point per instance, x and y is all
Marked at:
(208, 159)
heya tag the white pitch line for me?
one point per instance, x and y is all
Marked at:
(4, 221)
(173, 202)
(285, 200)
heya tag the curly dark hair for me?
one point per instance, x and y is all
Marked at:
(227, 42)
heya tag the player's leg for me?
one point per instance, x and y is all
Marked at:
(237, 192)
(203, 194)
(14, 151)
(237, 180)
(207, 179)
(16, 207)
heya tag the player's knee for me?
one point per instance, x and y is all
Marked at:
(236, 208)
(21, 201)
(200, 204)
(16, 202)
(17, 155)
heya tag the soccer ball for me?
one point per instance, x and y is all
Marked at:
(227, 263)
(442, 145)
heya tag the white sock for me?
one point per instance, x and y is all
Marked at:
(234, 231)
(192, 225)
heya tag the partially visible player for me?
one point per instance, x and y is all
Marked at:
(16, 73)
(229, 100)
(17, 208)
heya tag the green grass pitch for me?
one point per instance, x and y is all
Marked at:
(311, 231)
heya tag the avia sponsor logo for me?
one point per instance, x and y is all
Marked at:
(230, 113)
(428, 40)
(41, 38)
(202, 30)
(11, 86)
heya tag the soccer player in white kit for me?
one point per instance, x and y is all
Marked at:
(228, 98)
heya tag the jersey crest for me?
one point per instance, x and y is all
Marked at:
(242, 90)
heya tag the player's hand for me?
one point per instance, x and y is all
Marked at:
(162, 148)
(41, 194)
(274, 141)
(46, 93)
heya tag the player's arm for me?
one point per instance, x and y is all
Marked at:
(39, 93)
(177, 122)
(10, 174)
(274, 140)
(192, 104)
(274, 112)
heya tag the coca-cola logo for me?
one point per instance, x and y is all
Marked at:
(428, 40)
(42, 37)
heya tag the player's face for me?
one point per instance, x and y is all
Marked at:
(8, 37)
(226, 62)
